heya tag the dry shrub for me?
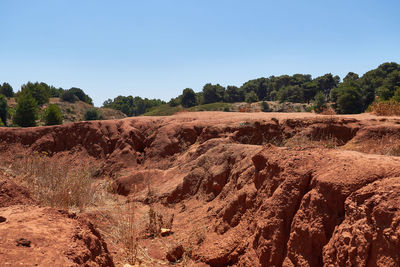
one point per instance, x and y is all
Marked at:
(127, 232)
(158, 221)
(328, 111)
(386, 108)
(55, 183)
(244, 109)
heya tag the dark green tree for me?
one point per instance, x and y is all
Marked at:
(26, 112)
(53, 115)
(251, 97)
(133, 106)
(39, 91)
(188, 98)
(3, 110)
(326, 83)
(319, 103)
(68, 96)
(54, 92)
(174, 102)
(233, 94)
(213, 93)
(292, 93)
(6, 90)
(396, 95)
(351, 77)
(349, 101)
(80, 94)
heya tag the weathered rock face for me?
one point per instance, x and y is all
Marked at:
(369, 234)
(252, 189)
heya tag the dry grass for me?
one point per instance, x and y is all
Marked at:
(158, 221)
(327, 141)
(126, 231)
(386, 108)
(54, 183)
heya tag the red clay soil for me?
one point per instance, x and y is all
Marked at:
(37, 236)
(259, 189)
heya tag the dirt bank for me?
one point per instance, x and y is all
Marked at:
(259, 189)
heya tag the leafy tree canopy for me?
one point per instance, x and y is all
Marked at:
(213, 93)
(53, 115)
(188, 98)
(6, 90)
(3, 110)
(26, 112)
(39, 91)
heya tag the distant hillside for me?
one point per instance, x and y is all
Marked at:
(73, 112)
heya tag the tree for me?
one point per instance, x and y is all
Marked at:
(384, 93)
(26, 112)
(291, 93)
(53, 115)
(6, 90)
(107, 103)
(351, 76)
(319, 102)
(81, 95)
(396, 96)
(251, 97)
(3, 110)
(132, 106)
(349, 101)
(326, 83)
(68, 96)
(92, 114)
(188, 98)
(174, 102)
(54, 92)
(39, 91)
(233, 94)
(213, 93)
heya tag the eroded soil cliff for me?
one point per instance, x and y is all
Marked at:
(260, 189)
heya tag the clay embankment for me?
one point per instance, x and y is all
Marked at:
(254, 189)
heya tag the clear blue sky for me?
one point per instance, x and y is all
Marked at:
(155, 49)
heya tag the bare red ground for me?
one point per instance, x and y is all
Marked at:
(52, 237)
(260, 189)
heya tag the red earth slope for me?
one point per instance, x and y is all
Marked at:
(261, 189)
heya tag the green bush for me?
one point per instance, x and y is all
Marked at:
(53, 115)
(251, 97)
(26, 112)
(319, 102)
(92, 114)
(3, 110)
(265, 106)
(68, 96)
(81, 95)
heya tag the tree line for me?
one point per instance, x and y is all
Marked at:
(352, 95)
(31, 98)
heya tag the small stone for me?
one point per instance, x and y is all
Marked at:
(165, 231)
(22, 242)
(2, 219)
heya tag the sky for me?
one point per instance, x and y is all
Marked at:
(157, 48)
